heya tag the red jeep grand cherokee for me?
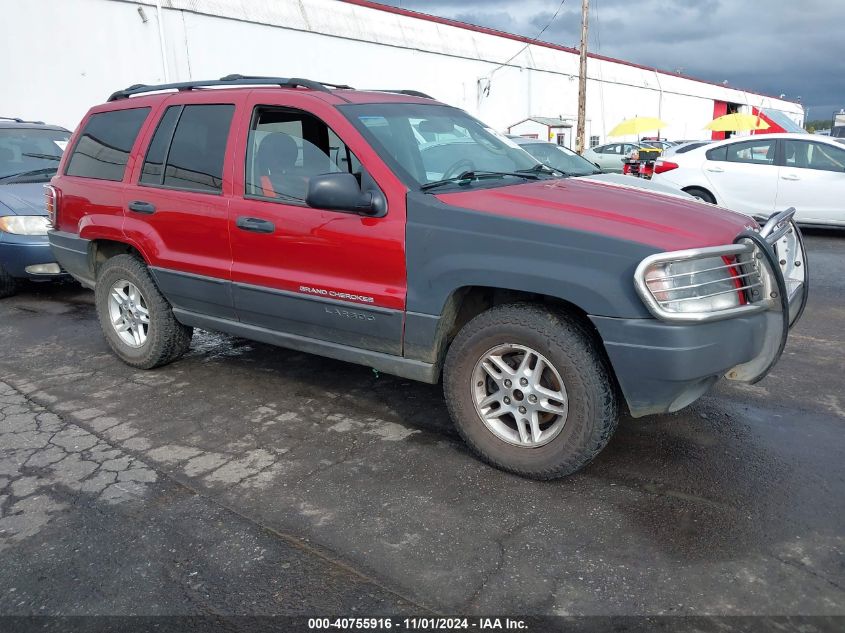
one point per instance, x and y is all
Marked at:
(387, 229)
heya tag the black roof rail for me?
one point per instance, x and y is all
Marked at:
(228, 80)
(19, 120)
(410, 93)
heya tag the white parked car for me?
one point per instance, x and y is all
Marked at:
(757, 175)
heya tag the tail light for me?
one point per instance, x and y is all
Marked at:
(664, 165)
(51, 203)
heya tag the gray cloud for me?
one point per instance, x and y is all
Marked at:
(772, 46)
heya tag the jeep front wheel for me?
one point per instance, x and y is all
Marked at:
(136, 319)
(529, 391)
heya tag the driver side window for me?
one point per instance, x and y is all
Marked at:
(285, 148)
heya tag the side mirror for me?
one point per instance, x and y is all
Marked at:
(341, 192)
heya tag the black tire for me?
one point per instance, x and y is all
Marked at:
(701, 194)
(167, 339)
(8, 285)
(592, 415)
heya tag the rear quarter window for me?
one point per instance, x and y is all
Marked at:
(717, 153)
(104, 144)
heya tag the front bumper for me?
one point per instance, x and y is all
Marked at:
(19, 252)
(663, 366)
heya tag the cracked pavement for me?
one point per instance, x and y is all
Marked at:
(87, 528)
(735, 506)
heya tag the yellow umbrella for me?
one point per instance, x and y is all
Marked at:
(637, 125)
(737, 123)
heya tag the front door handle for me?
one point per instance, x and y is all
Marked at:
(790, 177)
(139, 206)
(256, 225)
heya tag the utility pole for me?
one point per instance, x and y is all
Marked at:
(580, 145)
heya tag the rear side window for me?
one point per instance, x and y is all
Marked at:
(189, 147)
(104, 144)
(760, 152)
(153, 170)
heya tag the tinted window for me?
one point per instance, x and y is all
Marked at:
(197, 151)
(286, 147)
(717, 153)
(753, 152)
(104, 144)
(810, 155)
(157, 153)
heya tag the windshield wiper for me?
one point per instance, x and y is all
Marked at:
(542, 168)
(26, 174)
(469, 176)
(44, 156)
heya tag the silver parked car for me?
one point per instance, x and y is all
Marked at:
(569, 163)
(611, 156)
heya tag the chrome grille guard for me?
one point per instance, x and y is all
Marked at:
(770, 269)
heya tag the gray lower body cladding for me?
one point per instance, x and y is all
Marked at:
(72, 253)
(660, 367)
(664, 367)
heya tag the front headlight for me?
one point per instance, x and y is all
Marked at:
(698, 285)
(703, 284)
(24, 224)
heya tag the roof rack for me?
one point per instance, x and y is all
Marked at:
(228, 80)
(410, 93)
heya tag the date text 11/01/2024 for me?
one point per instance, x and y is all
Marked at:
(418, 624)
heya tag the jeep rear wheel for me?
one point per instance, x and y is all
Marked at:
(529, 391)
(136, 319)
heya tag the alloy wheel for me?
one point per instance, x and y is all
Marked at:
(128, 313)
(519, 395)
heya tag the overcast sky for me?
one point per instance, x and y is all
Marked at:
(769, 46)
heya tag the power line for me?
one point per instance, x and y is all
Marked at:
(533, 41)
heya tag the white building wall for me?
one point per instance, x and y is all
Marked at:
(89, 48)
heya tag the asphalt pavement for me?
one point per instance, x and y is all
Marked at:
(246, 478)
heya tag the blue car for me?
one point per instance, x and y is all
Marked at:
(29, 156)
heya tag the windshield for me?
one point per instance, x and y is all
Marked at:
(561, 159)
(432, 143)
(30, 155)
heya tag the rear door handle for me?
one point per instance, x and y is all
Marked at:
(256, 225)
(139, 206)
(790, 177)
(715, 170)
